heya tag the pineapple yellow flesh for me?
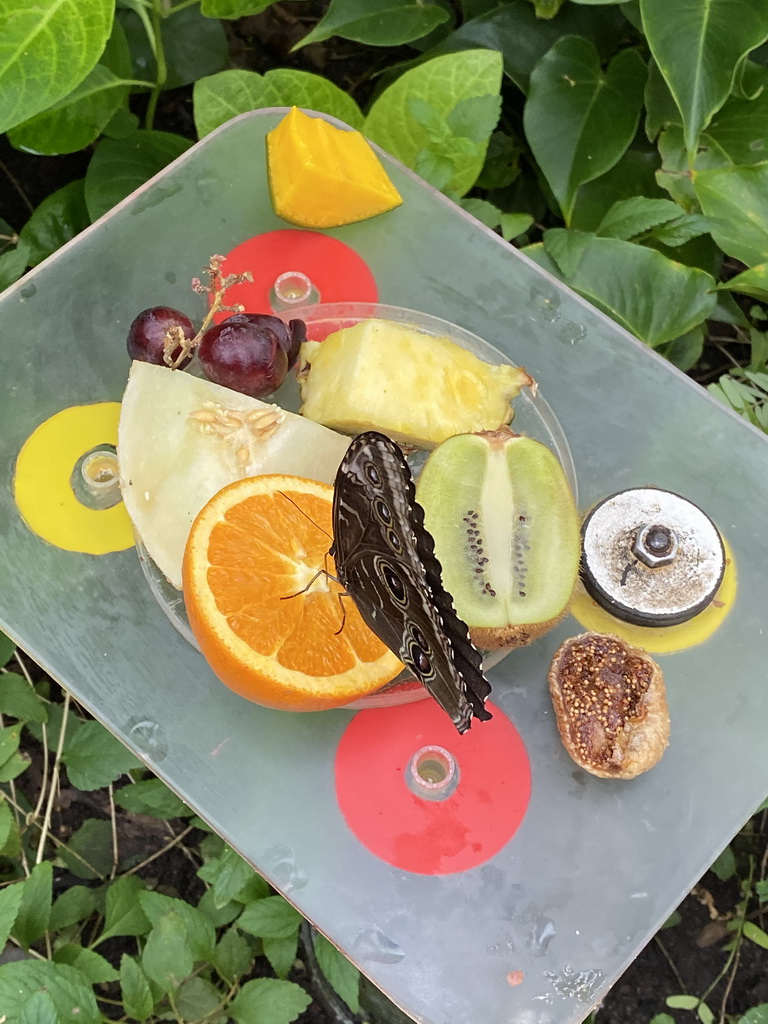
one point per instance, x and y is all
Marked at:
(417, 388)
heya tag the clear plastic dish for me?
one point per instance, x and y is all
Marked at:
(533, 416)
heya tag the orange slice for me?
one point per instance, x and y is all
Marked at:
(272, 626)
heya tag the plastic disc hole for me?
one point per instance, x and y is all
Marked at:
(433, 773)
(293, 289)
(95, 478)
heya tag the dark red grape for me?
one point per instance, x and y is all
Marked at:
(147, 333)
(289, 337)
(243, 356)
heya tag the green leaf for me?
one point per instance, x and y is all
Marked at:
(675, 175)
(724, 866)
(483, 211)
(651, 296)
(194, 46)
(19, 700)
(632, 217)
(757, 1015)
(230, 9)
(663, 1018)
(232, 957)
(14, 766)
(59, 217)
(137, 996)
(343, 975)
(697, 47)
(444, 82)
(661, 109)
(281, 953)
(47, 47)
(35, 910)
(704, 1014)
(10, 901)
(167, 959)
(270, 918)
(200, 933)
(55, 721)
(153, 798)
(6, 822)
(220, 97)
(522, 38)
(740, 129)
(761, 889)
(70, 992)
(737, 198)
(269, 999)
(218, 916)
(684, 229)
(229, 874)
(119, 166)
(197, 998)
(94, 757)
(578, 120)
(75, 121)
(124, 914)
(9, 741)
(377, 22)
(75, 904)
(685, 352)
(40, 1009)
(13, 263)
(475, 118)
(7, 646)
(96, 969)
(514, 224)
(88, 853)
(633, 175)
(682, 1002)
(755, 934)
(566, 248)
(502, 162)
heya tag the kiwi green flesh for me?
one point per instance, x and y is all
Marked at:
(506, 533)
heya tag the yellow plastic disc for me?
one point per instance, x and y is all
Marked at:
(42, 482)
(661, 639)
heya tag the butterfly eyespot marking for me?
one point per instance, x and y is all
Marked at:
(394, 540)
(382, 511)
(373, 474)
(418, 637)
(394, 582)
(420, 659)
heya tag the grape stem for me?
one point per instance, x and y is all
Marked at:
(174, 337)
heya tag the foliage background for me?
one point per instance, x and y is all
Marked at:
(623, 146)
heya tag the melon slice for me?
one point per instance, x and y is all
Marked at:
(321, 176)
(181, 439)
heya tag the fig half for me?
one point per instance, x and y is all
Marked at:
(506, 532)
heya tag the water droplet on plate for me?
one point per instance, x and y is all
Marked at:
(546, 303)
(581, 985)
(149, 737)
(280, 864)
(373, 944)
(540, 937)
(28, 291)
(170, 277)
(571, 333)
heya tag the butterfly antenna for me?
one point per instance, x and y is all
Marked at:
(284, 495)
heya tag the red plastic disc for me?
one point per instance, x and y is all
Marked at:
(337, 271)
(431, 837)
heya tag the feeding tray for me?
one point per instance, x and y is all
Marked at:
(530, 911)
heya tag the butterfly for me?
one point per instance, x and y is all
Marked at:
(385, 560)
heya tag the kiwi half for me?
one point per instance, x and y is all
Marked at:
(506, 532)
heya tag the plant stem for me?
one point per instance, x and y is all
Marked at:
(113, 822)
(54, 781)
(162, 67)
(159, 853)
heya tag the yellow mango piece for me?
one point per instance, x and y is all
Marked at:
(417, 388)
(321, 176)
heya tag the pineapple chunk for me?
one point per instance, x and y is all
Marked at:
(418, 389)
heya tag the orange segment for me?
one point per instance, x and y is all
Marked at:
(271, 624)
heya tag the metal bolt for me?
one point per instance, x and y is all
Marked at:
(655, 545)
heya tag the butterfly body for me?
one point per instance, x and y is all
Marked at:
(385, 561)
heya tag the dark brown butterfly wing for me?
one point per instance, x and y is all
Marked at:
(385, 559)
